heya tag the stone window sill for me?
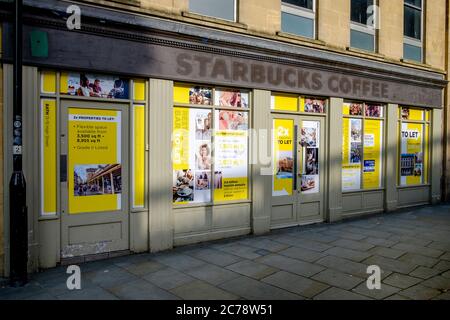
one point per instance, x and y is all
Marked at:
(366, 53)
(214, 20)
(300, 38)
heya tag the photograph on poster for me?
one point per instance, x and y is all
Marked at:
(218, 181)
(355, 152)
(373, 110)
(407, 165)
(310, 184)
(231, 98)
(285, 165)
(308, 137)
(356, 109)
(99, 86)
(202, 180)
(199, 95)
(233, 120)
(183, 187)
(203, 125)
(369, 165)
(97, 179)
(312, 161)
(203, 156)
(355, 130)
(405, 113)
(314, 105)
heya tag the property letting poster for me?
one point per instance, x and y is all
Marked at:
(231, 156)
(411, 158)
(95, 164)
(283, 179)
(310, 143)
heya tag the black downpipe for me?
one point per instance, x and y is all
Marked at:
(17, 186)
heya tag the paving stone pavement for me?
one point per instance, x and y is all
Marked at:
(320, 262)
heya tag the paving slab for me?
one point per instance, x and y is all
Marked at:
(178, 261)
(352, 244)
(390, 264)
(141, 290)
(212, 274)
(252, 269)
(420, 292)
(438, 282)
(338, 279)
(302, 254)
(380, 242)
(143, 268)
(378, 294)
(424, 272)
(344, 265)
(339, 294)
(298, 267)
(350, 254)
(387, 252)
(200, 290)
(168, 278)
(216, 257)
(255, 290)
(296, 284)
(401, 281)
(418, 260)
(443, 265)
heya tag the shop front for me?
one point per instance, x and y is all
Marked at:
(142, 140)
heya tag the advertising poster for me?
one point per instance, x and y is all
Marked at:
(191, 155)
(92, 85)
(373, 139)
(411, 158)
(351, 154)
(231, 156)
(310, 142)
(312, 105)
(231, 98)
(95, 164)
(283, 176)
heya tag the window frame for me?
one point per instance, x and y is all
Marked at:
(412, 41)
(365, 28)
(363, 117)
(302, 12)
(235, 12)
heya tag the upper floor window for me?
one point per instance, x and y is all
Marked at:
(298, 17)
(362, 29)
(413, 30)
(222, 9)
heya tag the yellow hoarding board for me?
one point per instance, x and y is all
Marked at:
(283, 175)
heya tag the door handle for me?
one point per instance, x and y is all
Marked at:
(63, 168)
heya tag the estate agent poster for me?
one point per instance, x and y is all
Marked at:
(231, 156)
(283, 178)
(310, 143)
(411, 159)
(372, 169)
(95, 164)
(191, 155)
(351, 154)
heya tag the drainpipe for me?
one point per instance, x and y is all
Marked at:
(17, 187)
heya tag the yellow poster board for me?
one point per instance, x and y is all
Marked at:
(351, 159)
(284, 102)
(94, 160)
(48, 160)
(138, 156)
(372, 154)
(283, 179)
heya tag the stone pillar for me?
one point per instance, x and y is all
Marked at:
(391, 164)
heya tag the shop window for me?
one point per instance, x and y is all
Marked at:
(222, 9)
(414, 130)
(413, 30)
(298, 17)
(362, 146)
(210, 145)
(295, 103)
(362, 30)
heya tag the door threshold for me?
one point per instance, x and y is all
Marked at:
(94, 257)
